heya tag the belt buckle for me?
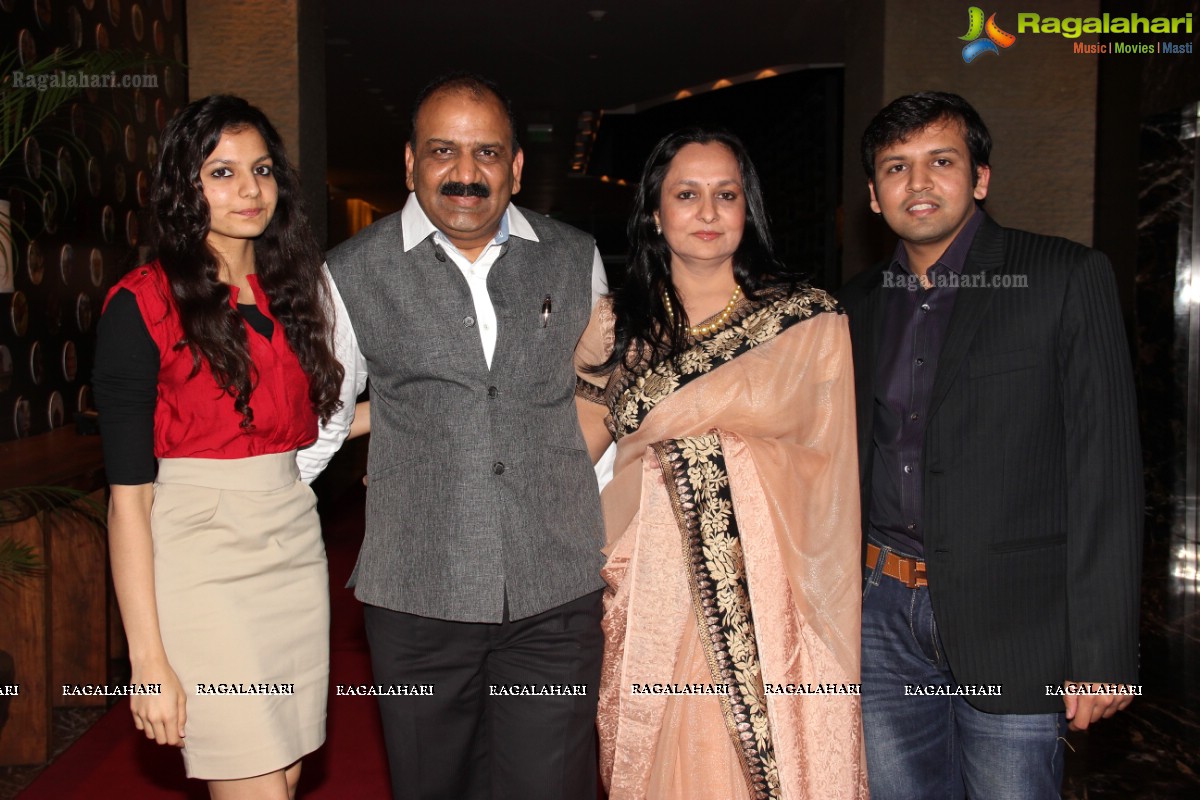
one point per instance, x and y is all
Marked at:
(912, 573)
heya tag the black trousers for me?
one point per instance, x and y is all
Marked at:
(512, 712)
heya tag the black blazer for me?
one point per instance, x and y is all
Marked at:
(1033, 476)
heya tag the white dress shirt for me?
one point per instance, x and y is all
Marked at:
(417, 228)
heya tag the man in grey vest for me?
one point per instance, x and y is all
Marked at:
(480, 569)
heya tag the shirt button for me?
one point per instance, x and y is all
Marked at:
(912, 526)
(920, 362)
(924, 306)
(468, 321)
(914, 417)
(908, 469)
(498, 468)
(493, 391)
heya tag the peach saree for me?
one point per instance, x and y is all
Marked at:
(733, 602)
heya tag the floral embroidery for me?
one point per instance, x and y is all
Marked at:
(632, 394)
(698, 485)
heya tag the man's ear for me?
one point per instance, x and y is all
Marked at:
(409, 158)
(518, 164)
(874, 202)
(983, 174)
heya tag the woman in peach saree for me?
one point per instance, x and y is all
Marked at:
(733, 600)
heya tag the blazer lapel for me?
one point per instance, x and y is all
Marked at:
(985, 259)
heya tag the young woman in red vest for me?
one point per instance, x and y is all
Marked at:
(213, 365)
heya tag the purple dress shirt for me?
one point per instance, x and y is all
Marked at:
(915, 322)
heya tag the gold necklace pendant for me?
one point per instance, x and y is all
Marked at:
(698, 331)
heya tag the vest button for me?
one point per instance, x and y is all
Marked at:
(493, 391)
(498, 468)
(468, 321)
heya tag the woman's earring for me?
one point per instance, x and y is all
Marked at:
(658, 229)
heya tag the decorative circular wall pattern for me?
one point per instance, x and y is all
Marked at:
(143, 188)
(96, 267)
(131, 143)
(18, 314)
(119, 182)
(55, 414)
(66, 172)
(83, 313)
(33, 159)
(94, 229)
(21, 420)
(95, 180)
(50, 211)
(37, 368)
(43, 12)
(66, 263)
(108, 225)
(26, 49)
(70, 362)
(35, 265)
(131, 229)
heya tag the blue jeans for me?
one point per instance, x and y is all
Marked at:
(939, 746)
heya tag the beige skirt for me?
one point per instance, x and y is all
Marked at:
(243, 605)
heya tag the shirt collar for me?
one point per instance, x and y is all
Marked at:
(417, 226)
(955, 256)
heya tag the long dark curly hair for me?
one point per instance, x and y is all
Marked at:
(644, 328)
(287, 259)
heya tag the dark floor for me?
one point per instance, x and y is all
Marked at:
(69, 725)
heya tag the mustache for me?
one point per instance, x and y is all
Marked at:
(458, 189)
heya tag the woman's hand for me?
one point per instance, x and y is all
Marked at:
(163, 716)
(130, 546)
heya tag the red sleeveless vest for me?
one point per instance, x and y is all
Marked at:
(194, 418)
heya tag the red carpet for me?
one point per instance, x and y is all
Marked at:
(113, 760)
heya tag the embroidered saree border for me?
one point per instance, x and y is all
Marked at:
(632, 395)
(698, 486)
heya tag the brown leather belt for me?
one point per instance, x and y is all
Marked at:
(909, 571)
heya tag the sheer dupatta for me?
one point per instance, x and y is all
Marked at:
(733, 561)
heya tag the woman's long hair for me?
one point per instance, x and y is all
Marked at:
(287, 259)
(644, 328)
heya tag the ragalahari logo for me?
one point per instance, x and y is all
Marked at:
(995, 39)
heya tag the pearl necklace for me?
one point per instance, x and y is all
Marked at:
(697, 331)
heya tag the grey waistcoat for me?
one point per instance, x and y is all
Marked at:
(480, 482)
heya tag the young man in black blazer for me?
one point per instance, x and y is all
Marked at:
(1001, 477)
